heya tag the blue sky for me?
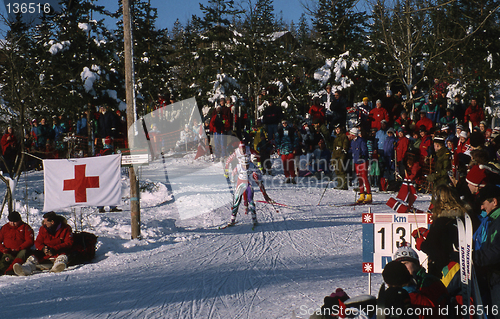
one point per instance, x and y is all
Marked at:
(170, 10)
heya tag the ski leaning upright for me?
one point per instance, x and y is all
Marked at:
(467, 274)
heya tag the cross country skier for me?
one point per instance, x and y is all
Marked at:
(245, 170)
(242, 153)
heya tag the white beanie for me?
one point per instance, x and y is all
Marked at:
(354, 131)
(406, 253)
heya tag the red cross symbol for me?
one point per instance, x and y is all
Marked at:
(80, 183)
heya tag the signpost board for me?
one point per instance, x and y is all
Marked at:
(134, 158)
(383, 234)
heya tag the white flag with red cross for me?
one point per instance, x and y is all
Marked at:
(89, 181)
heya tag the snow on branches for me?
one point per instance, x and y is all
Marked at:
(58, 47)
(223, 85)
(339, 71)
(89, 77)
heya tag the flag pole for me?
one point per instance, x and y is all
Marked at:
(135, 211)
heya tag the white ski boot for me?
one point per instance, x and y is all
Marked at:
(60, 263)
(27, 268)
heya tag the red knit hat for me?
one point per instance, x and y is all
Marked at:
(477, 176)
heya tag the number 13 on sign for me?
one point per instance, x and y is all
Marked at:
(384, 233)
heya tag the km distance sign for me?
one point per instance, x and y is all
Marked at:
(384, 233)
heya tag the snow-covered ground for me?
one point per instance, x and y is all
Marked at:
(184, 266)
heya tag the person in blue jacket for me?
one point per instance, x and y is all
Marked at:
(359, 153)
(487, 256)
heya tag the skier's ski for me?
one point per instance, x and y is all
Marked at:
(469, 241)
(228, 225)
(465, 252)
(356, 204)
(461, 251)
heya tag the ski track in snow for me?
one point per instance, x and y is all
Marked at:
(187, 268)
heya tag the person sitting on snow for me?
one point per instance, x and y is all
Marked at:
(245, 170)
(16, 238)
(53, 243)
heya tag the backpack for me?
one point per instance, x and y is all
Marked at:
(84, 247)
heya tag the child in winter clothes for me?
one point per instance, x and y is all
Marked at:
(402, 292)
(427, 285)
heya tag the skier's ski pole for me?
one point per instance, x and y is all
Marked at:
(3, 205)
(396, 168)
(272, 204)
(355, 200)
(326, 187)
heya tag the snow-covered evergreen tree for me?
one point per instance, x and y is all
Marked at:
(150, 49)
(78, 69)
(215, 47)
(339, 27)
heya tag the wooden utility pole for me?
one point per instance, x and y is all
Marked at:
(135, 210)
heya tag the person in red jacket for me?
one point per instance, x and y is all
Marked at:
(425, 145)
(424, 121)
(53, 243)
(9, 141)
(317, 111)
(219, 126)
(403, 121)
(9, 147)
(474, 113)
(462, 151)
(16, 238)
(402, 146)
(377, 115)
(226, 107)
